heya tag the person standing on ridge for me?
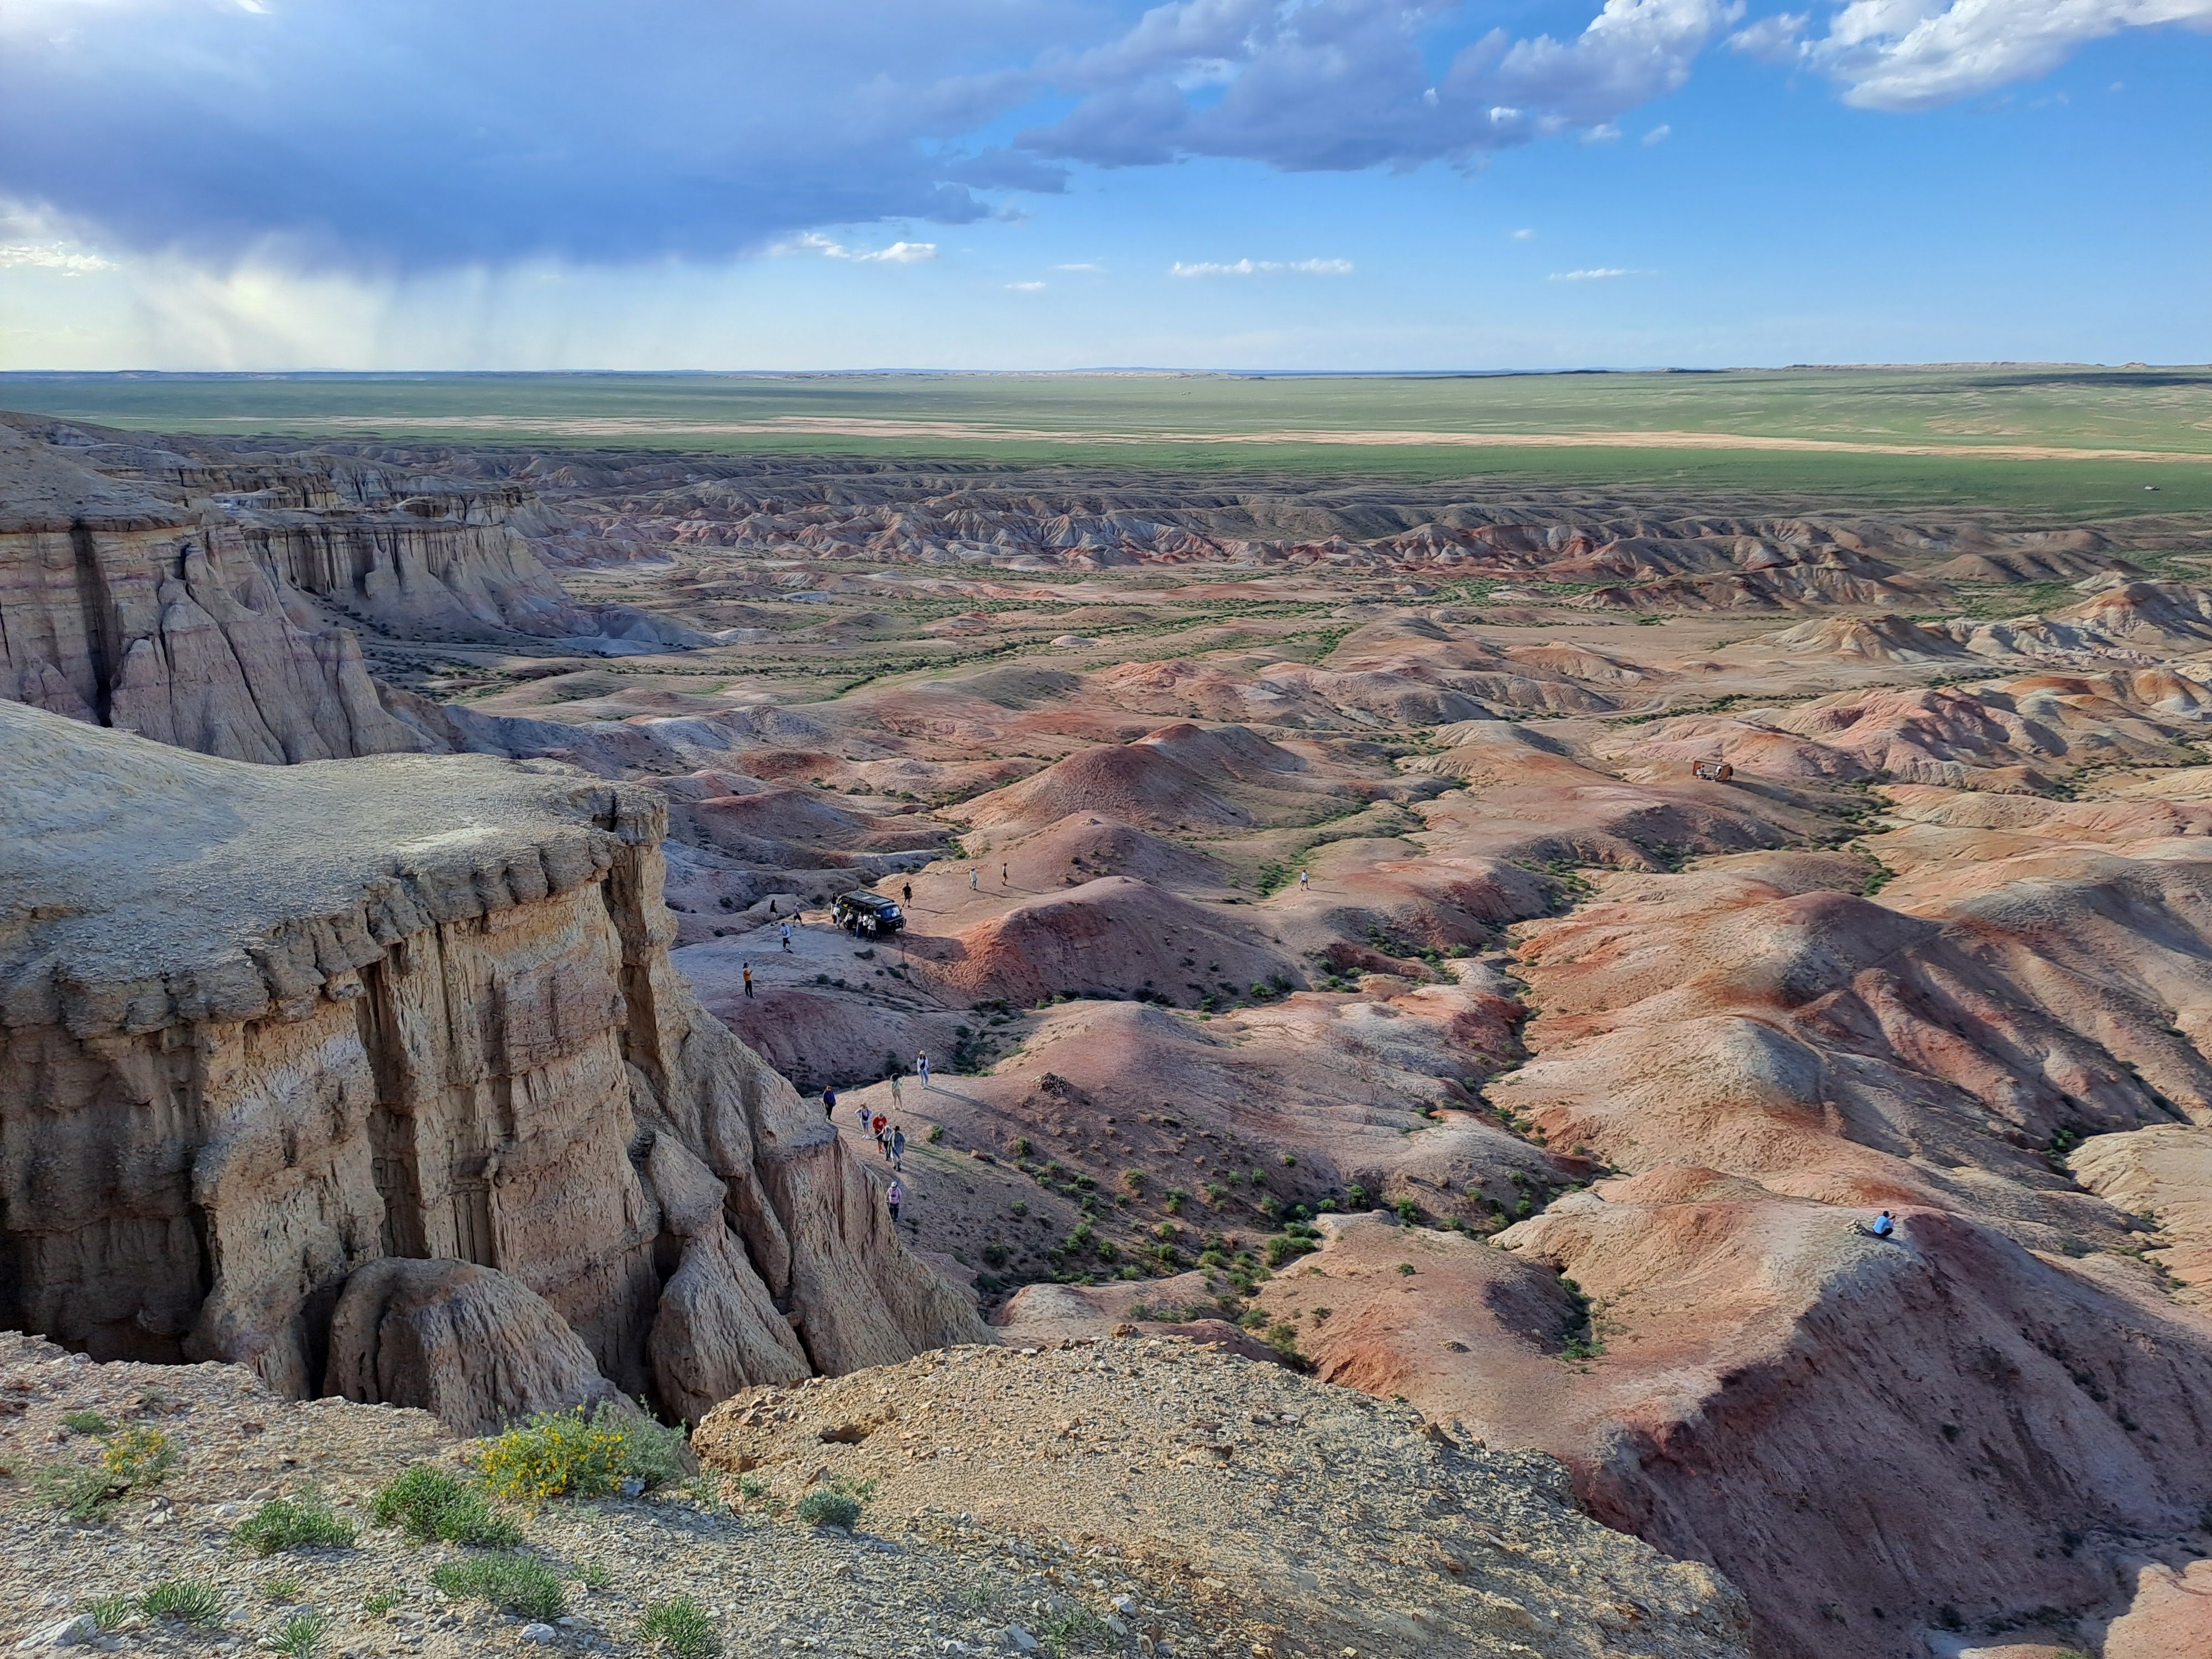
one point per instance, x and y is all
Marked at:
(898, 1147)
(895, 1088)
(906, 893)
(862, 1109)
(972, 879)
(1304, 881)
(880, 1125)
(895, 1197)
(1005, 874)
(748, 967)
(829, 1103)
(921, 1069)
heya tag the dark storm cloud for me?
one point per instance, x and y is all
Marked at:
(411, 133)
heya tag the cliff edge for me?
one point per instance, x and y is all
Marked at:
(373, 1076)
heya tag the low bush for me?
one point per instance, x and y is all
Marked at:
(304, 1522)
(430, 1503)
(824, 1508)
(87, 1423)
(681, 1628)
(520, 1584)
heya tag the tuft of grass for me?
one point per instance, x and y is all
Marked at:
(298, 1637)
(82, 1494)
(682, 1629)
(376, 1603)
(305, 1523)
(587, 1452)
(110, 1612)
(1069, 1625)
(281, 1591)
(195, 1601)
(433, 1504)
(520, 1584)
(87, 1423)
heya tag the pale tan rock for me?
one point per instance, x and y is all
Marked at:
(470, 1344)
(265, 1025)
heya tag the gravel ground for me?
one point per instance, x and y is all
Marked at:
(1125, 1497)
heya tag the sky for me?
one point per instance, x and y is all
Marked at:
(269, 184)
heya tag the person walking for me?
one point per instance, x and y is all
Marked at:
(829, 1103)
(787, 936)
(1304, 881)
(748, 967)
(906, 893)
(898, 1147)
(863, 1110)
(973, 880)
(922, 1070)
(1005, 874)
(895, 1089)
(893, 1197)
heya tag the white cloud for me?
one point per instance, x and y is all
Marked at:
(68, 256)
(898, 254)
(1081, 264)
(1596, 274)
(1772, 39)
(1524, 235)
(1917, 54)
(1025, 288)
(1261, 267)
(1604, 133)
(1658, 135)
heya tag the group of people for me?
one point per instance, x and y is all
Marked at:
(889, 1137)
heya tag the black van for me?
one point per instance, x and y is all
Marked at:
(865, 913)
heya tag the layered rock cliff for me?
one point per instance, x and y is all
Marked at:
(213, 601)
(266, 1032)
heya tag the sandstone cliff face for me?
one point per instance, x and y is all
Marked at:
(260, 1028)
(117, 607)
(205, 604)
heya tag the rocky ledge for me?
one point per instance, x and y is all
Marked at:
(1136, 1497)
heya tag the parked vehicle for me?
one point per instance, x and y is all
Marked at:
(866, 914)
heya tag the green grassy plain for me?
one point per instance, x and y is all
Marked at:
(2016, 438)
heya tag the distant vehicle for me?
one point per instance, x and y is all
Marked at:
(1714, 771)
(857, 912)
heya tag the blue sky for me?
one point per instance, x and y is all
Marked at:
(1048, 183)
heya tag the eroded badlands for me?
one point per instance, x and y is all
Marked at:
(1500, 951)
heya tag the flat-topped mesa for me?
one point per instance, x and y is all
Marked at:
(263, 1027)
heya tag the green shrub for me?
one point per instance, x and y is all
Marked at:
(196, 1601)
(87, 1423)
(280, 1590)
(681, 1628)
(431, 1503)
(298, 1637)
(376, 1603)
(824, 1508)
(519, 1584)
(305, 1523)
